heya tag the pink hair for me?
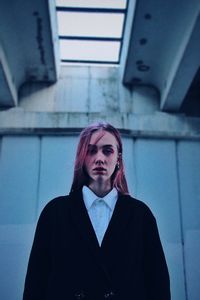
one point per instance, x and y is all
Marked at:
(80, 176)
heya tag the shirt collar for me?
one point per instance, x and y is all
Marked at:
(89, 197)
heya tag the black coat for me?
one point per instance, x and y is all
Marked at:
(66, 261)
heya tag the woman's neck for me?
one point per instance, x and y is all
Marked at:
(100, 189)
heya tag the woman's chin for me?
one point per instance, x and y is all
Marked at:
(99, 179)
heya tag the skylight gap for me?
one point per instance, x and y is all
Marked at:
(93, 3)
(91, 34)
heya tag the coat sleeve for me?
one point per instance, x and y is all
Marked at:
(39, 265)
(156, 271)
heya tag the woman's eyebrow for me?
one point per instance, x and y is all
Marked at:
(94, 145)
(104, 146)
(108, 146)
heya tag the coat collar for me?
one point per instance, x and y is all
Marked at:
(90, 197)
(82, 221)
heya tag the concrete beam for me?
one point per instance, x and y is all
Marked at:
(127, 38)
(163, 50)
(8, 90)
(53, 26)
(183, 72)
(29, 46)
(156, 125)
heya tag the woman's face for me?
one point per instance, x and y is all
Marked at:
(102, 156)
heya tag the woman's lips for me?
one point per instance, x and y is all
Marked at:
(99, 170)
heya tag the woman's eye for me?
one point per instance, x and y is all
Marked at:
(107, 151)
(91, 151)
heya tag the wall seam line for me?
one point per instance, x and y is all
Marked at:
(38, 178)
(135, 184)
(181, 217)
(1, 141)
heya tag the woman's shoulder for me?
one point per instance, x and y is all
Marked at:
(54, 205)
(62, 202)
(136, 205)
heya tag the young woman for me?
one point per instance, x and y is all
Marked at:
(98, 242)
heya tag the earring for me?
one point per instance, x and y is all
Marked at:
(117, 165)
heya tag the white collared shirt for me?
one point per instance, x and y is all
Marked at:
(100, 210)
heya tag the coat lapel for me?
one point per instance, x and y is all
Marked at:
(82, 221)
(117, 224)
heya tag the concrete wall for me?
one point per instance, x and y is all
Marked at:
(37, 148)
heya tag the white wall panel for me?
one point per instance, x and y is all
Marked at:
(19, 165)
(15, 244)
(157, 184)
(189, 176)
(192, 263)
(57, 164)
(174, 256)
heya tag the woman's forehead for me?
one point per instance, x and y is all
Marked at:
(102, 137)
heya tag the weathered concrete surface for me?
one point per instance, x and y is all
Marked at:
(160, 125)
(79, 89)
(83, 95)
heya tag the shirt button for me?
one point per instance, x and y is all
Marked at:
(109, 295)
(79, 295)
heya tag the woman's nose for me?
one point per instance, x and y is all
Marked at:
(99, 157)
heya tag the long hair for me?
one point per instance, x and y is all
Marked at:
(81, 178)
